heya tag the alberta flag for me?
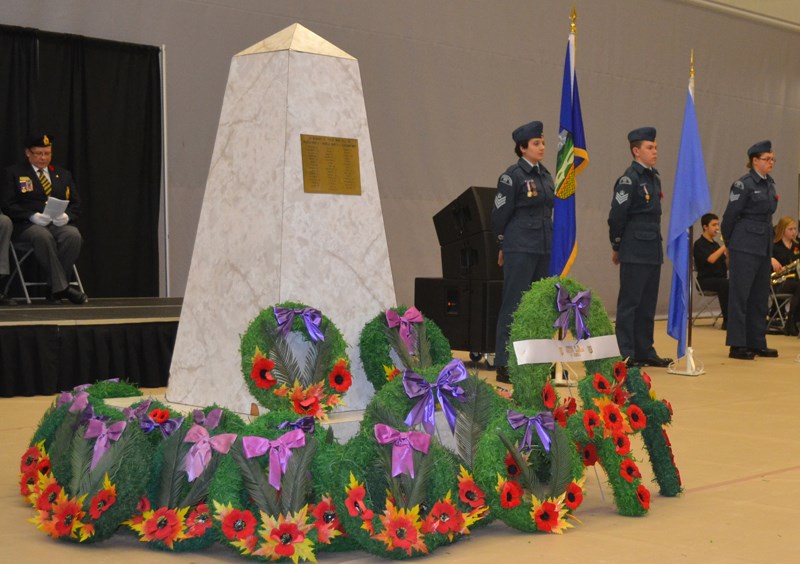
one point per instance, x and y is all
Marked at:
(689, 202)
(572, 158)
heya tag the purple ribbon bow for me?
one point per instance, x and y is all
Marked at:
(210, 421)
(280, 451)
(82, 387)
(312, 318)
(306, 424)
(412, 315)
(403, 447)
(79, 402)
(168, 427)
(542, 422)
(136, 413)
(97, 429)
(200, 454)
(579, 304)
(444, 388)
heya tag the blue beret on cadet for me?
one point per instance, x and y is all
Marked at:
(523, 133)
(760, 147)
(642, 134)
(39, 140)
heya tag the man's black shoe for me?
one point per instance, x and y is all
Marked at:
(75, 296)
(771, 353)
(502, 375)
(7, 301)
(742, 353)
(653, 361)
(53, 298)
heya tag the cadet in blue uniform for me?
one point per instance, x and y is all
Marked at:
(747, 229)
(522, 222)
(634, 224)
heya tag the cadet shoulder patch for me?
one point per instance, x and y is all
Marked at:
(739, 185)
(506, 179)
(624, 180)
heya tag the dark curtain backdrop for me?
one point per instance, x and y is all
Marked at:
(101, 102)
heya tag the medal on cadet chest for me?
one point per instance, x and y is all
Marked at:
(532, 193)
(646, 193)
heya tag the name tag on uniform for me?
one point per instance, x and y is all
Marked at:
(25, 184)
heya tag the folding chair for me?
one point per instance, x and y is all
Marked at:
(19, 253)
(778, 310)
(706, 299)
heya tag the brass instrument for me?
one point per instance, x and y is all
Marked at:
(791, 270)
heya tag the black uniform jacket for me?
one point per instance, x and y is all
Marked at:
(22, 195)
(747, 221)
(634, 222)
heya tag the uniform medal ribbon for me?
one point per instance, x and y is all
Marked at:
(542, 422)
(579, 304)
(412, 315)
(403, 447)
(105, 435)
(444, 389)
(200, 454)
(280, 451)
(311, 317)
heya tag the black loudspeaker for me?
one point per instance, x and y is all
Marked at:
(468, 214)
(446, 303)
(474, 257)
(485, 299)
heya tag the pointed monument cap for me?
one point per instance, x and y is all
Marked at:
(296, 38)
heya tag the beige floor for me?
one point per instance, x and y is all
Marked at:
(735, 437)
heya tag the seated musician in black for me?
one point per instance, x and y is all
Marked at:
(786, 251)
(711, 263)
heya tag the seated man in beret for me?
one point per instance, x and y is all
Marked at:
(56, 241)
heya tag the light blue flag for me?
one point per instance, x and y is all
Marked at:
(690, 201)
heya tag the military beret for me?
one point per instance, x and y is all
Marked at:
(760, 147)
(642, 134)
(39, 140)
(523, 133)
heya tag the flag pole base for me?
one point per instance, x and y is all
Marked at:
(563, 375)
(691, 369)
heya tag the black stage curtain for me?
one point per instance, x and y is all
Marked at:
(46, 359)
(101, 101)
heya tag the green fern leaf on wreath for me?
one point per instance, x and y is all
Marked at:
(318, 359)
(296, 483)
(255, 481)
(287, 369)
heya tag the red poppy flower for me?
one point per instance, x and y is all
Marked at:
(401, 530)
(199, 521)
(619, 396)
(43, 466)
(470, 493)
(573, 496)
(101, 502)
(669, 406)
(571, 406)
(238, 525)
(27, 483)
(340, 378)
(46, 499)
(601, 384)
(326, 520)
(629, 470)
(637, 417)
(549, 396)
(621, 442)
(66, 514)
(546, 516)
(355, 504)
(644, 496)
(445, 518)
(30, 459)
(666, 438)
(159, 415)
(511, 466)
(143, 505)
(164, 525)
(306, 405)
(589, 453)
(286, 535)
(261, 373)
(620, 371)
(511, 494)
(590, 421)
(560, 416)
(612, 416)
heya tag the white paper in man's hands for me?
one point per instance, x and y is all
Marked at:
(55, 207)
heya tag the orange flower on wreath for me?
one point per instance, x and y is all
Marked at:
(308, 401)
(401, 529)
(287, 537)
(198, 521)
(340, 378)
(326, 520)
(549, 515)
(391, 372)
(468, 491)
(65, 518)
(612, 417)
(261, 372)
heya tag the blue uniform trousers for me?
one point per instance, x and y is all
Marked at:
(748, 300)
(636, 309)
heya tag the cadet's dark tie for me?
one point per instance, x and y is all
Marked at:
(48, 188)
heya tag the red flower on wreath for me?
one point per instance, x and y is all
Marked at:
(307, 402)
(637, 417)
(510, 494)
(601, 384)
(355, 500)
(511, 466)
(620, 371)
(468, 492)
(548, 396)
(589, 454)
(573, 496)
(326, 520)
(164, 525)
(445, 518)
(340, 378)
(47, 497)
(261, 373)
(669, 406)
(612, 416)
(67, 514)
(198, 521)
(101, 502)
(286, 535)
(402, 529)
(629, 470)
(159, 415)
(27, 484)
(619, 396)
(560, 416)
(621, 442)
(571, 406)
(546, 516)
(30, 459)
(590, 421)
(647, 380)
(643, 494)
(238, 524)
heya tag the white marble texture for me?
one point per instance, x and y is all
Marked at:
(261, 240)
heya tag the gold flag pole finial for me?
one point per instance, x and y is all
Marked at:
(573, 17)
(691, 64)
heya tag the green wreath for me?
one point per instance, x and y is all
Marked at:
(277, 379)
(378, 340)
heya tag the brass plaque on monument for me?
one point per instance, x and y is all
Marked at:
(330, 165)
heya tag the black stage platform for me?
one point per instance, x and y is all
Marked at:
(45, 348)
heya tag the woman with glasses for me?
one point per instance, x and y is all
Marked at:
(747, 230)
(786, 251)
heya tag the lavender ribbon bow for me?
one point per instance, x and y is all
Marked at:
(306, 424)
(311, 317)
(542, 422)
(403, 447)
(444, 388)
(97, 429)
(412, 315)
(210, 421)
(200, 454)
(579, 304)
(79, 401)
(168, 427)
(280, 451)
(82, 387)
(136, 413)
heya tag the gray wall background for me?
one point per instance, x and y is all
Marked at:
(446, 81)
